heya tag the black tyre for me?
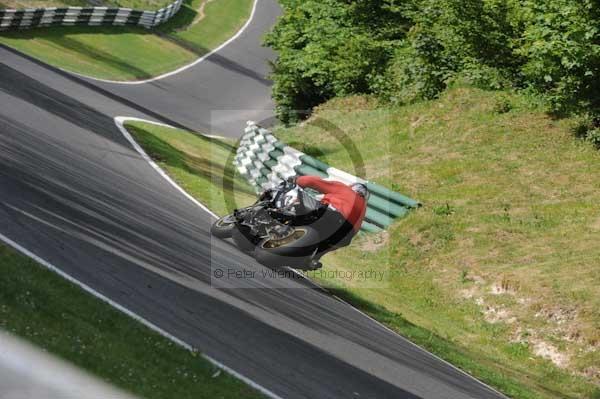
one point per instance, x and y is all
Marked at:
(241, 241)
(223, 227)
(294, 251)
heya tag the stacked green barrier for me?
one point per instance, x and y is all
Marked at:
(264, 161)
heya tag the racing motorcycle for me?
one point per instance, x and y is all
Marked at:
(276, 229)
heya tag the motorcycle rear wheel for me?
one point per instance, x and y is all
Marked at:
(295, 250)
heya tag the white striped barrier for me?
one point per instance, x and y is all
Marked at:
(264, 161)
(90, 16)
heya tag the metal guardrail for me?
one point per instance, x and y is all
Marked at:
(264, 161)
(82, 16)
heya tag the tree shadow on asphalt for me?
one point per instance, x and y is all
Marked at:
(183, 19)
(62, 106)
(217, 59)
(22, 86)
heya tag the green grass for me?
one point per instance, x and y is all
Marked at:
(105, 52)
(502, 257)
(200, 165)
(223, 18)
(501, 261)
(41, 307)
(125, 53)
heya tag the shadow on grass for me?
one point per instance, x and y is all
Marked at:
(58, 37)
(184, 17)
(479, 365)
(313, 151)
(213, 170)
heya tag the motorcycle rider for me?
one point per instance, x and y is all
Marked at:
(344, 207)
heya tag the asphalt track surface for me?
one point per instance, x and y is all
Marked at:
(219, 95)
(75, 193)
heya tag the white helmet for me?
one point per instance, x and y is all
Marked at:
(361, 189)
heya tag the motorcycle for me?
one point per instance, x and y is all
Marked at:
(276, 230)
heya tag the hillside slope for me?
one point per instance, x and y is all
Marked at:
(498, 271)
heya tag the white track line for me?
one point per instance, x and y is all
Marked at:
(120, 121)
(135, 316)
(183, 68)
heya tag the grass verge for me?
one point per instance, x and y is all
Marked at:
(126, 53)
(497, 273)
(52, 313)
(200, 165)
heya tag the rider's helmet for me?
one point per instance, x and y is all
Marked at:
(361, 189)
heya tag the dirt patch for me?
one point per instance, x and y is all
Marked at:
(373, 242)
(595, 225)
(524, 301)
(498, 315)
(417, 240)
(519, 335)
(416, 122)
(572, 334)
(593, 373)
(557, 314)
(201, 15)
(550, 352)
(504, 286)
(495, 314)
(475, 289)
(468, 293)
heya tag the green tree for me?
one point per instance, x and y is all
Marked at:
(331, 48)
(409, 50)
(561, 43)
(473, 38)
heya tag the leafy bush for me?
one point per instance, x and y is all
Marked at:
(409, 50)
(331, 48)
(419, 69)
(503, 105)
(593, 136)
(561, 43)
(470, 38)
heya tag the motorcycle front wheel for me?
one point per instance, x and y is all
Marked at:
(296, 250)
(223, 227)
